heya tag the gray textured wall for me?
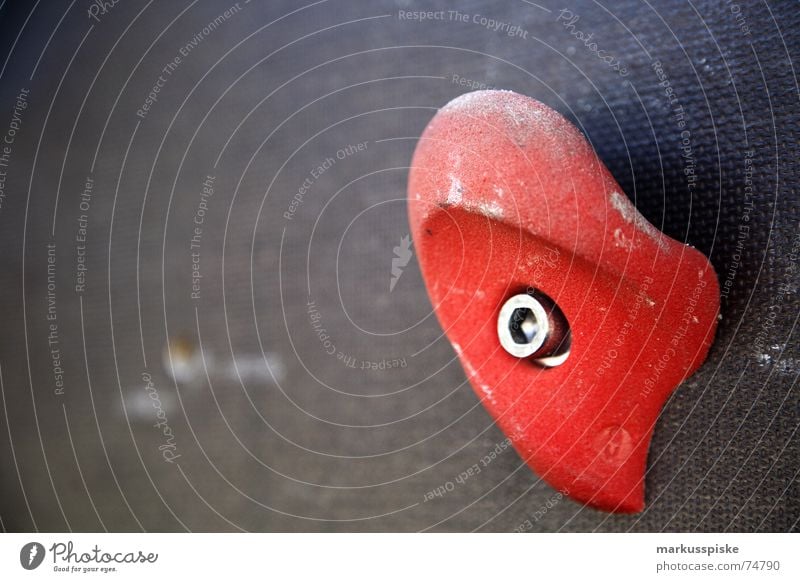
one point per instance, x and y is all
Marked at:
(261, 429)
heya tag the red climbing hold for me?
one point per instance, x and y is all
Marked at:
(573, 317)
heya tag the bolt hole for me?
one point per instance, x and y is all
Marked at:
(530, 324)
(523, 326)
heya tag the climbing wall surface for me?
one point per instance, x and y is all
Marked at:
(213, 315)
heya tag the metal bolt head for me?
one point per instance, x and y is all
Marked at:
(522, 325)
(530, 325)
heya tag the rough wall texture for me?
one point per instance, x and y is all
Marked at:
(225, 183)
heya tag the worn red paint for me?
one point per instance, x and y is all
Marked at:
(505, 194)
